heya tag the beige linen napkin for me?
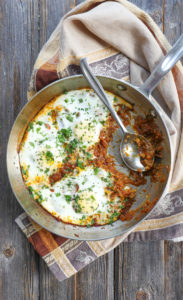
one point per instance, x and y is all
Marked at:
(119, 40)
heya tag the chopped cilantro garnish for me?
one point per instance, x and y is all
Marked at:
(47, 170)
(66, 100)
(31, 126)
(88, 155)
(40, 123)
(113, 217)
(76, 205)
(57, 194)
(24, 171)
(68, 198)
(64, 134)
(121, 206)
(32, 144)
(30, 189)
(40, 199)
(49, 156)
(38, 129)
(92, 221)
(72, 146)
(102, 122)
(69, 118)
(96, 171)
(80, 100)
(80, 164)
(126, 199)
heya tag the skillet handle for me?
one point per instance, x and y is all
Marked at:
(163, 67)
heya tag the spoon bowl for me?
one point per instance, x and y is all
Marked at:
(136, 152)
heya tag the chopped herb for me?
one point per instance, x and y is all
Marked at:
(24, 171)
(49, 156)
(40, 199)
(88, 225)
(76, 205)
(69, 118)
(126, 199)
(88, 155)
(47, 170)
(121, 206)
(31, 189)
(38, 129)
(64, 134)
(32, 144)
(80, 100)
(113, 217)
(57, 194)
(68, 198)
(102, 122)
(96, 171)
(72, 146)
(49, 114)
(92, 221)
(31, 126)
(66, 100)
(80, 164)
(115, 99)
(39, 123)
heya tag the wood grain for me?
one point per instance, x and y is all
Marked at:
(133, 271)
(139, 271)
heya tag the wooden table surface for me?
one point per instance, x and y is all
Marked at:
(133, 271)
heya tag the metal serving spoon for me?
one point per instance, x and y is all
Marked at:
(132, 144)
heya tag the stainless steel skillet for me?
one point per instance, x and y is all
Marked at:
(140, 97)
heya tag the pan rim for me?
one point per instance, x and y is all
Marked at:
(112, 233)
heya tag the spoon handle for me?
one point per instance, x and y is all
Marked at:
(163, 67)
(97, 87)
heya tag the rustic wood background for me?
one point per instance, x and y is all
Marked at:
(133, 271)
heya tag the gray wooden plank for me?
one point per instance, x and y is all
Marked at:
(173, 19)
(96, 280)
(18, 261)
(173, 258)
(52, 289)
(139, 271)
(173, 252)
(153, 8)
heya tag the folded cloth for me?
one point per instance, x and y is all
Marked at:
(121, 41)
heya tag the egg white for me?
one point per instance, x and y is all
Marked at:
(42, 152)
